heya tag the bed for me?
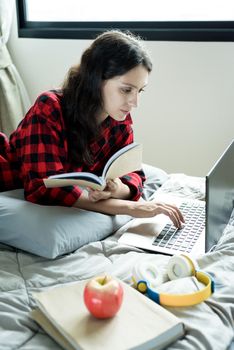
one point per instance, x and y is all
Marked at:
(208, 326)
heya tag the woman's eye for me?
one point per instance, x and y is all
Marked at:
(126, 91)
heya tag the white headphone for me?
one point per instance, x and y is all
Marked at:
(146, 277)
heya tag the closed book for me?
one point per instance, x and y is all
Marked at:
(140, 324)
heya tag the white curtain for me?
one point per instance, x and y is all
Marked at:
(14, 100)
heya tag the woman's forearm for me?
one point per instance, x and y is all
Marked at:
(140, 209)
(109, 206)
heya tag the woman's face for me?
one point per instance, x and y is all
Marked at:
(121, 93)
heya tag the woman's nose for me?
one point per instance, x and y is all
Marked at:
(133, 101)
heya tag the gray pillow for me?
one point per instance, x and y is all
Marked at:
(50, 231)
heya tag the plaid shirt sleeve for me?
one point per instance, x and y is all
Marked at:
(135, 182)
(40, 145)
(9, 178)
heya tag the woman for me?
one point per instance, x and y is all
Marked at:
(79, 127)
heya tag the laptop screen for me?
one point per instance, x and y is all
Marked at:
(219, 196)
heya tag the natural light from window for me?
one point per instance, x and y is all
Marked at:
(131, 10)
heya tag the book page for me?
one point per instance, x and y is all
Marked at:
(140, 321)
(50, 183)
(125, 163)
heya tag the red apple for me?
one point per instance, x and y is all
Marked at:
(103, 296)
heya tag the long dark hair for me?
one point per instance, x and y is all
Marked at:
(111, 54)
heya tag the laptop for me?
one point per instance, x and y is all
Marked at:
(204, 220)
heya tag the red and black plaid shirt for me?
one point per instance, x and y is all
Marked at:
(38, 148)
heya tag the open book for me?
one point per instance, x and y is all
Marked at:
(124, 161)
(139, 324)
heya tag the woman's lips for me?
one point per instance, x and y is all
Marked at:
(126, 112)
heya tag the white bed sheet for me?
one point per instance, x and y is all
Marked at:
(209, 325)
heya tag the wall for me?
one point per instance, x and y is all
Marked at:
(185, 118)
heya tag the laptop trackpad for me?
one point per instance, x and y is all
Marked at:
(148, 226)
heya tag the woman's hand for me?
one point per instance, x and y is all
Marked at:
(118, 189)
(96, 195)
(150, 209)
(114, 189)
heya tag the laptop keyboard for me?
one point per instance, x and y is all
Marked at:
(185, 238)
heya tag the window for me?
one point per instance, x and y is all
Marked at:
(180, 20)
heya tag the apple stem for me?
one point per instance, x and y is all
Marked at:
(104, 280)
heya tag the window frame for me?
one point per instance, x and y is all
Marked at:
(153, 31)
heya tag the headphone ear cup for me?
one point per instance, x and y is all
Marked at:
(147, 271)
(180, 266)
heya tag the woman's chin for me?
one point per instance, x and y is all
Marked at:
(120, 117)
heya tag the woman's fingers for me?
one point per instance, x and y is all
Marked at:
(113, 185)
(95, 195)
(173, 213)
(150, 209)
(110, 185)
